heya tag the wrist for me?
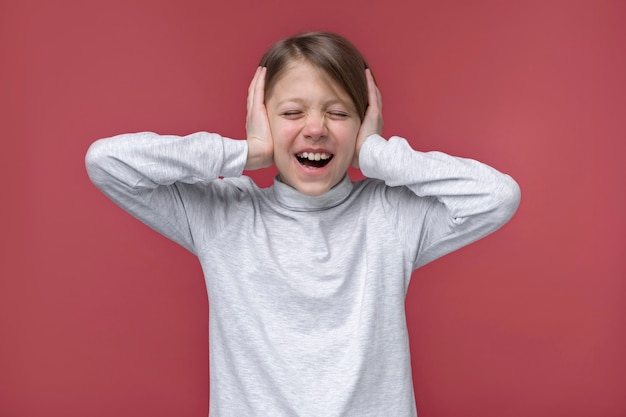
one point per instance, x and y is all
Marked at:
(258, 156)
(358, 149)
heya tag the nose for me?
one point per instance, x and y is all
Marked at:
(315, 127)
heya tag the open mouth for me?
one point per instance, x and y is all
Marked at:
(314, 160)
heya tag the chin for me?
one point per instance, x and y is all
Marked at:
(312, 190)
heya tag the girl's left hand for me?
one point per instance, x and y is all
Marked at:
(373, 120)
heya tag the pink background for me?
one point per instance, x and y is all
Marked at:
(100, 316)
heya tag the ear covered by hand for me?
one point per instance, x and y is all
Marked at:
(373, 120)
(259, 134)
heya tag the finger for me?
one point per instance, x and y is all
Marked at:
(373, 121)
(374, 97)
(259, 87)
(251, 89)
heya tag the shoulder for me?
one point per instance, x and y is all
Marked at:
(219, 194)
(368, 186)
(376, 189)
(397, 204)
(224, 188)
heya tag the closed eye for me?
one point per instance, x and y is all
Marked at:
(292, 114)
(338, 114)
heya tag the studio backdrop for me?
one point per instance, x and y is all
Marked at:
(100, 316)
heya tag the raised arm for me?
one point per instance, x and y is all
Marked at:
(153, 177)
(450, 202)
(149, 175)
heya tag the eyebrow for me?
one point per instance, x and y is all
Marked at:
(298, 100)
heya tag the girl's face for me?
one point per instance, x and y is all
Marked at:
(314, 126)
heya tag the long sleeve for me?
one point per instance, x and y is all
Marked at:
(458, 200)
(155, 177)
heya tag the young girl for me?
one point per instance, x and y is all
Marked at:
(306, 279)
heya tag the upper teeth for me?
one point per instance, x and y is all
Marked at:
(314, 156)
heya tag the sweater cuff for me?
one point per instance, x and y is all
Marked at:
(372, 146)
(235, 157)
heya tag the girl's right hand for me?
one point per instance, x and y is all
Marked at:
(260, 142)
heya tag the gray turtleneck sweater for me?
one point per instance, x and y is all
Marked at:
(306, 294)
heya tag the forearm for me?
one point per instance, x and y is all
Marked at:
(466, 187)
(147, 160)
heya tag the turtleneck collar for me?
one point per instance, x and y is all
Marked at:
(292, 199)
